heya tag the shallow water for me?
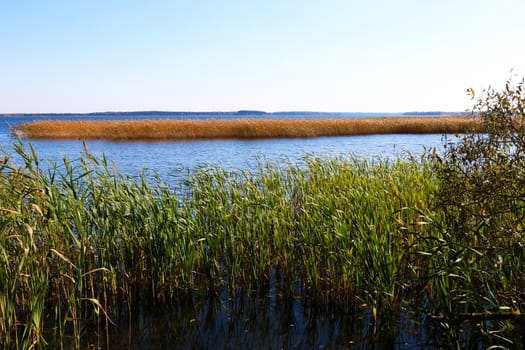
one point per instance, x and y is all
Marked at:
(250, 322)
(254, 321)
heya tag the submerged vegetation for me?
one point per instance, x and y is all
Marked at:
(438, 240)
(123, 130)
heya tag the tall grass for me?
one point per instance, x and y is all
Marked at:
(122, 130)
(81, 243)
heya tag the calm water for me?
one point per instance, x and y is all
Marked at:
(169, 158)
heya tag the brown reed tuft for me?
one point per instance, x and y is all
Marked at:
(172, 130)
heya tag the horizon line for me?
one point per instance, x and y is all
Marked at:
(240, 112)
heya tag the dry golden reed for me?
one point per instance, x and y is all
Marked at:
(173, 130)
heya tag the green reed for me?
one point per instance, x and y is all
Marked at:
(80, 242)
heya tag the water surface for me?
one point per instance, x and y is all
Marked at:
(169, 159)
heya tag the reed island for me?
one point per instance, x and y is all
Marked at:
(173, 130)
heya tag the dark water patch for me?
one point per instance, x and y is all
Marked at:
(248, 322)
(253, 321)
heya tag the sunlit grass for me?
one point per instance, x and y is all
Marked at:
(122, 130)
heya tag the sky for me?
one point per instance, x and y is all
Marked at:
(81, 56)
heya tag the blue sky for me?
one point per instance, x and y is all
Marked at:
(272, 55)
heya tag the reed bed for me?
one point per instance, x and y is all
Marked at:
(123, 130)
(80, 243)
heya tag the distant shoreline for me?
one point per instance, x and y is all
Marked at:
(241, 113)
(191, 129)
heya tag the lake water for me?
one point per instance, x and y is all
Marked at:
(169, 158)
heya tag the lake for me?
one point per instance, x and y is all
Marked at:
(170, 159)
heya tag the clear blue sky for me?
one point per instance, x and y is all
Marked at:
(272, 55)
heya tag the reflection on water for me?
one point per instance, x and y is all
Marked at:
(251, 321)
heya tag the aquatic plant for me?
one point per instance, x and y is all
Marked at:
(122, 130)
(81, 244)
